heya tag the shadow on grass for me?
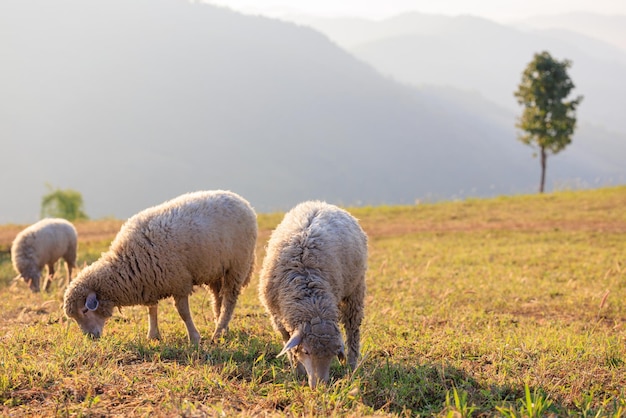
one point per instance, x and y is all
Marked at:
(427, 389)
(238, 352)
(385, 384)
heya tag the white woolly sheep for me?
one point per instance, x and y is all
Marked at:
(313, 277)
(41, 244)
(205, 237)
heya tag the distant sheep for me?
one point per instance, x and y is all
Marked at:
(41, 244)
(313, 277)
(198, 238)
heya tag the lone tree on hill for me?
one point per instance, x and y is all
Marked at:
(548, 119)
(67, 204)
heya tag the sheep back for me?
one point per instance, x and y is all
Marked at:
(319, 241)
(167, 249)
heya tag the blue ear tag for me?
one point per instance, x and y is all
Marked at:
(92, 302)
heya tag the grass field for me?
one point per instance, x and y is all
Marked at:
(511, 306)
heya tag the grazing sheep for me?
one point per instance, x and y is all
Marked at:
(198, 238)
(41, 244)
(313, 276)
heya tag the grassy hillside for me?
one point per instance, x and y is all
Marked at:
(510, 306)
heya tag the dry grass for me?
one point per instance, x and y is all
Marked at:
(508, 306)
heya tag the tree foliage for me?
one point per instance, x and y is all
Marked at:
(67, 204)
(548, 119)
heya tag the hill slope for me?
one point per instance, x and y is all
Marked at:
(610, 29)
(134, 102)
(476, 54)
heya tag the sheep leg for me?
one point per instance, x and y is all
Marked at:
(69, 265)
(46, 284)
(351, 317)
(69, 273)
(216, 287)
(48, 279)
(182, 306)
(70, 262)
(283, 333)
(228, 294)
(153, 323)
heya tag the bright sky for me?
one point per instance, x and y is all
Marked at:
(379, 9)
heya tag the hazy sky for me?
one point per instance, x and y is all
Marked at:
(378, 9)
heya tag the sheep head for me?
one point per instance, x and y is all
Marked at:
(88, 310)
(32, 280)
(314, 345)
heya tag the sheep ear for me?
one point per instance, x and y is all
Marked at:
(293, 342)
(92, 301)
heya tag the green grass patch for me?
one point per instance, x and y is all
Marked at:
(510, 307)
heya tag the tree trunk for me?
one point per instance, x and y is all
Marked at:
(544, 157)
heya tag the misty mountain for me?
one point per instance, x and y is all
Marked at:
(134, 102)
(591, 47)
(473, 53)
(351, 32)
(609, 29)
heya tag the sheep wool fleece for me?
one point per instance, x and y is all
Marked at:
(205, 237)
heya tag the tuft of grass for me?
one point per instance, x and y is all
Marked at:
(458, 406)
(510, 306)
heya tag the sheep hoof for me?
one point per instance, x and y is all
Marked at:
(219, 333)
(155, 336)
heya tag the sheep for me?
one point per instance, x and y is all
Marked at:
(205, 237)
(41, 244)
(312, 277)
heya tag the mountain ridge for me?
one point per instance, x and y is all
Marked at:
(134, 102)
